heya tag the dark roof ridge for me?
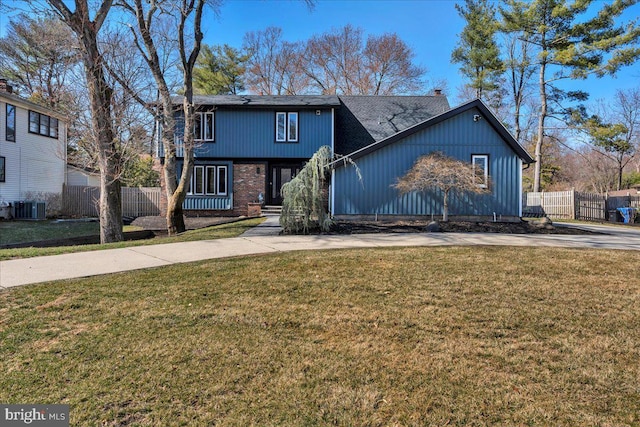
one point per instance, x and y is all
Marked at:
(476, 103)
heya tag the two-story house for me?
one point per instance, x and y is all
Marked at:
(32, 149)
(248, 146)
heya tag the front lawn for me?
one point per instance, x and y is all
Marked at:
(32, 231)
(376, 337)
(221, 231)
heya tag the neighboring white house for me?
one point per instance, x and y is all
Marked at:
(86, 177)
(33, 142)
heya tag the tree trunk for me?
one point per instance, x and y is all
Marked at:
(541, 119)
(175, 214)
(445, 206)
(109, 159)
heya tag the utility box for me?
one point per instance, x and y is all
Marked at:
(29, 210)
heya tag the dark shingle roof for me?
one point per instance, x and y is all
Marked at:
(300, 101)
(439, 118)
(363, 120)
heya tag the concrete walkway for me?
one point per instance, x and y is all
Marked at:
(262, 240)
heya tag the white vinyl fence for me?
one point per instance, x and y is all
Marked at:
(84, 201)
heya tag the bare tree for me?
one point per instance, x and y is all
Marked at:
(614, 131)
(185, 17)
(335, 62)
(437, 171)
(274, 65)
(86, 30)
(388, 62)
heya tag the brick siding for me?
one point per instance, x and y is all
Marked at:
(249, 180)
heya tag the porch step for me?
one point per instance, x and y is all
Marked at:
(271, 210)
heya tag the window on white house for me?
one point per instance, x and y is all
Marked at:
(2, 168)
(10, 128)
(34, 122)
(286, 127)
(208, 180)
(42, 124)
(203, 127)
(480, 164)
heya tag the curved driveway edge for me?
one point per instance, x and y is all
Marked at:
(83, 264)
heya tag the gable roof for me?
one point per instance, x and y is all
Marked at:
(295, 101)
(363, 120)
(477, 103)
(17, 100)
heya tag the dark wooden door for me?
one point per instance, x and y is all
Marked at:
(279, 175)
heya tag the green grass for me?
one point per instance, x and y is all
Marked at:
(370, 337)
(215, 232)
(32, 231)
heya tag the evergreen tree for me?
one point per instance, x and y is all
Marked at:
(477, 51)
(219, 70)
(570, 44)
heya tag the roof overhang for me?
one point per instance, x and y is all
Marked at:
(477, 103)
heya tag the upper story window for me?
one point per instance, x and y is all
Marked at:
(42, 124)
(480, 164)
(286, 127)
(203, 127)
(10, 134)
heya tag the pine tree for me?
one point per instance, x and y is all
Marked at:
(477, 51)
(219, 70)
(571, 45)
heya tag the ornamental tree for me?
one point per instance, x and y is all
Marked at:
(437, 171)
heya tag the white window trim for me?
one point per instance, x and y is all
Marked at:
(289, 115)
(193, 181)
(485, 182)
(284, 136)
(205, 117)
(205, 178)
(287, 126)
(226, 181)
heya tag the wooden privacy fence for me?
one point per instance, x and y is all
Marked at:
(575, 205)
(83, 201)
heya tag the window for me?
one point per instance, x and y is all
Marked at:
(34, 122)
(208, 180)
(2, 169)
(203, 127)
(10, 134)
(286, 127)
(480, 164)
(42, 124)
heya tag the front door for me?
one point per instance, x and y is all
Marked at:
(279, 175)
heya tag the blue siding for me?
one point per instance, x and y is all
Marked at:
(250, 133)
(209, 202)
(458, 137)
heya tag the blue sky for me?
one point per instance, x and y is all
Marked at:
(429, 27)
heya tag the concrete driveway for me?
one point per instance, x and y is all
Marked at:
(262, 240)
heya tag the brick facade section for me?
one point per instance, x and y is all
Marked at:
(249, 180)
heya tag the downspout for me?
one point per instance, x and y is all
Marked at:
(332, 188)
(520, 187)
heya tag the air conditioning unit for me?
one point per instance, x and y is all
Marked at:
(29, 210)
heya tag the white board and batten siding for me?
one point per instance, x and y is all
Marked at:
(33, 163)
